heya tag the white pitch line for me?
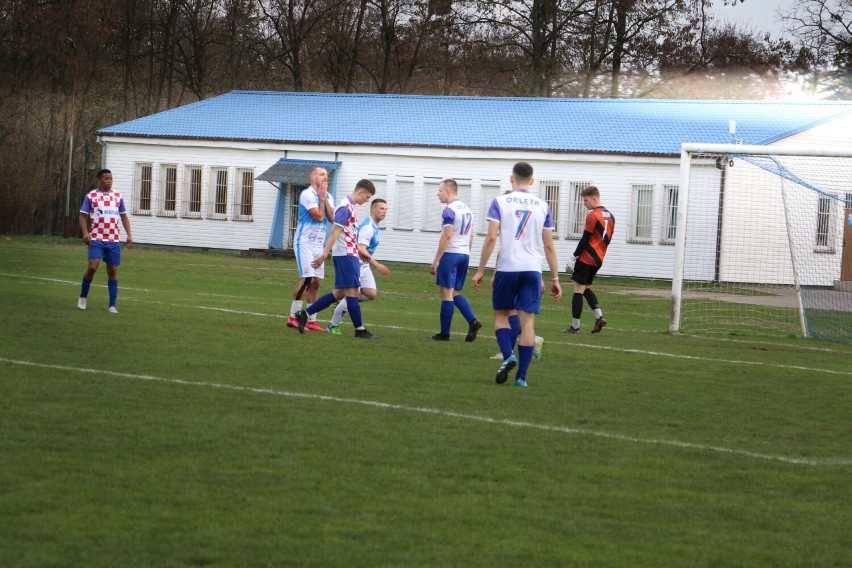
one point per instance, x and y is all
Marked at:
(569, 344)
(551, 342)
(60, 281)
(447, 414)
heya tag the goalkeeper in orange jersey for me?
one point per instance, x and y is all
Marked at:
(588, 258)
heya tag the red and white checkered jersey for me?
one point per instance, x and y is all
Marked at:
(347, 241)
(105, 209)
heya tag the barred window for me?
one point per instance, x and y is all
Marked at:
(142, 188)
(668, 232)
(824, 232)
(550, 193)
(217, 194)
(641, 213)
(192, 192)
(244, 195)
(577, 214)
(167, 191)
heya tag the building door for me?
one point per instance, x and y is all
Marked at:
(294, 191)
(846, 262)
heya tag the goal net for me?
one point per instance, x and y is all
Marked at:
(763, 241)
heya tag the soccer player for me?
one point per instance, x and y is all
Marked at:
(452, 260)
(316, 208)
(343, 244)
(103, 207)
(589, 256)
(368, 241)
(524, 225)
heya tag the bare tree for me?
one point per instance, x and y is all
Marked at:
(532, 33)
(340, 49)
(287, 26)
(824, 30)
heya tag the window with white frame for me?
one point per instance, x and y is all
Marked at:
(143, 186)
(244, 195)
(465, 194)
(550, 192)
(668, 231)
(217, 194)
(403, 205)
(641, 213)
(577, 212)
(489, 190)
(824, 225)
(432, 206)
(167, 191)
(192, 192)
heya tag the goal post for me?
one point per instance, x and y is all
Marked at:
(763, 241)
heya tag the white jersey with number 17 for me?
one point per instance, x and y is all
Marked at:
(459, 216)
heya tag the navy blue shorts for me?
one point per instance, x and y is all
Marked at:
(517, 291)
(347, 272)
(110, 252)
(452, 270)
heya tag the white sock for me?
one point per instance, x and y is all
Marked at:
(575, 323)
(598, 313)
(295, 307)
(339, 313)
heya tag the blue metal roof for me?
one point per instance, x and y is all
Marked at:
(631, 126)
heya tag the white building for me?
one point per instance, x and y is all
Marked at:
(225, 173)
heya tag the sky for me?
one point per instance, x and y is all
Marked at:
(757, 15)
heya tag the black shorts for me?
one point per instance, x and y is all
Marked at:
(584, 273)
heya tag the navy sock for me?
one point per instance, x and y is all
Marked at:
(515, 326)
(505, 341)
(112, 286)
(525, 355)
(464, 307)
(447, 307)
(321, 304)
(84, 289)
(354, 307)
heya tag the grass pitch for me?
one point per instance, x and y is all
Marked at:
(193, 428)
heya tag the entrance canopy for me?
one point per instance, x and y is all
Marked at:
(292, 172)
(295, 171)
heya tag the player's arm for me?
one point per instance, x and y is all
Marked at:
(368, 258)
(84, 227)
(317, 213)
(552, 263)
(125, 220)
(325, 210)
(329, 243)
(443, 244)
(364, 253)
(487, 249)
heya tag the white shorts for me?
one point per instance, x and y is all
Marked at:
(367, 278)
(305, 255)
